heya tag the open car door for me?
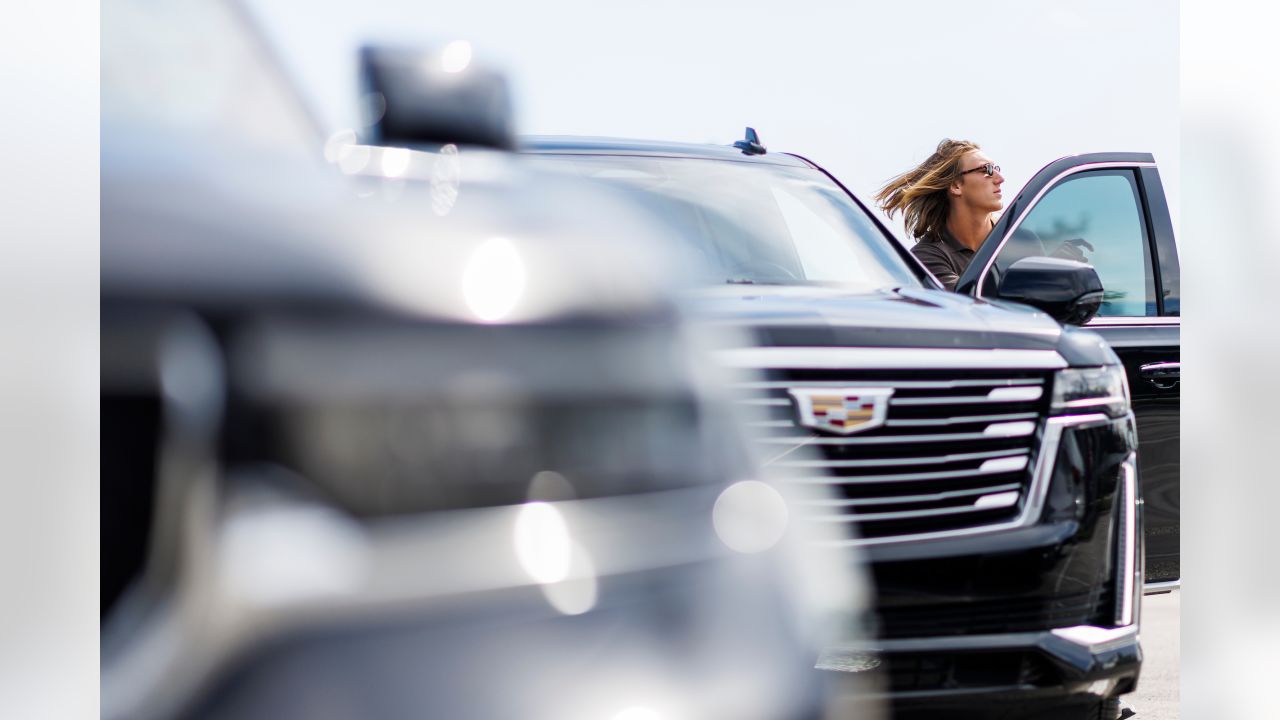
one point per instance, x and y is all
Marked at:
(1109, 210)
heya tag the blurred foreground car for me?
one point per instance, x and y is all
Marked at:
(377, 448)
(985, 453)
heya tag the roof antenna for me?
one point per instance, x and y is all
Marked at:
(751, 145)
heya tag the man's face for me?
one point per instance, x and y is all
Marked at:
(976, 189)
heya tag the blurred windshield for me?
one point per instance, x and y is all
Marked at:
(197, 67)
(751, 223)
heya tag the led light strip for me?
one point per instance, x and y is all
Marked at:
(1130, 542)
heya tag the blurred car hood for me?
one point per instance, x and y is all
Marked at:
(224, 227)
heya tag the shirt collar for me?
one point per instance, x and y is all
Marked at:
(952, 242)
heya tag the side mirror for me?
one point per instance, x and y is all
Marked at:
(1070, 291)
(435, 97)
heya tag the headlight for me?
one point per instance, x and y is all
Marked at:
(1100, 389)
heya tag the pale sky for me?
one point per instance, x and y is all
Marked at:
(864, 89)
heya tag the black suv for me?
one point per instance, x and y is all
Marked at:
(986, 455)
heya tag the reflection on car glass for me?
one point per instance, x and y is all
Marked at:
(623, 174)
(748, 281)
(747, 223)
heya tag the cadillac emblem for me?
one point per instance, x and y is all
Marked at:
(843, 411)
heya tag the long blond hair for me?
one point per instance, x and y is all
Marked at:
(920, 194)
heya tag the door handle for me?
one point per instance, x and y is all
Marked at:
(1162, 374)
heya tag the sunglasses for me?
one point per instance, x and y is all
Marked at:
(987, 169)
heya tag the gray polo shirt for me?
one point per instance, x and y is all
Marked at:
(944, 256)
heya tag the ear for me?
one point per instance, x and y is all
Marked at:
(954, 189)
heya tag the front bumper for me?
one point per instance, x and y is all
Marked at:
(1046, 613)
(1084, 663)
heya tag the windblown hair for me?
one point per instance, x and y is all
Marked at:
(920, 194)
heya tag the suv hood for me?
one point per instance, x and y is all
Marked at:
(805, 316)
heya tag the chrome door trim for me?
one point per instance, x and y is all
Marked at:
(982, 279)
(828, 358)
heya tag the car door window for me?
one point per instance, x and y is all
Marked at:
(1095, 217)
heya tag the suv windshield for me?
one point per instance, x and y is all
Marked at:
(198, 66)
(754, 223)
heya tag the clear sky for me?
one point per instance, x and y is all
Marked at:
(864, 89)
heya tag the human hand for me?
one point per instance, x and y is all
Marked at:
(1070, 250)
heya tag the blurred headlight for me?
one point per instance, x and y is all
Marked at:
(1100, 389)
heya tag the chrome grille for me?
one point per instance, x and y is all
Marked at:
(956, 449)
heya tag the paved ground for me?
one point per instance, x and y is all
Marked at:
(1157, 695)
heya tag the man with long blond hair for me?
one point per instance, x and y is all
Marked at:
(949, 203)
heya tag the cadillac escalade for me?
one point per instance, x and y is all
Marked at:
(984, 445)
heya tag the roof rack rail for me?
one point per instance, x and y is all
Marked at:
(751, 145)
